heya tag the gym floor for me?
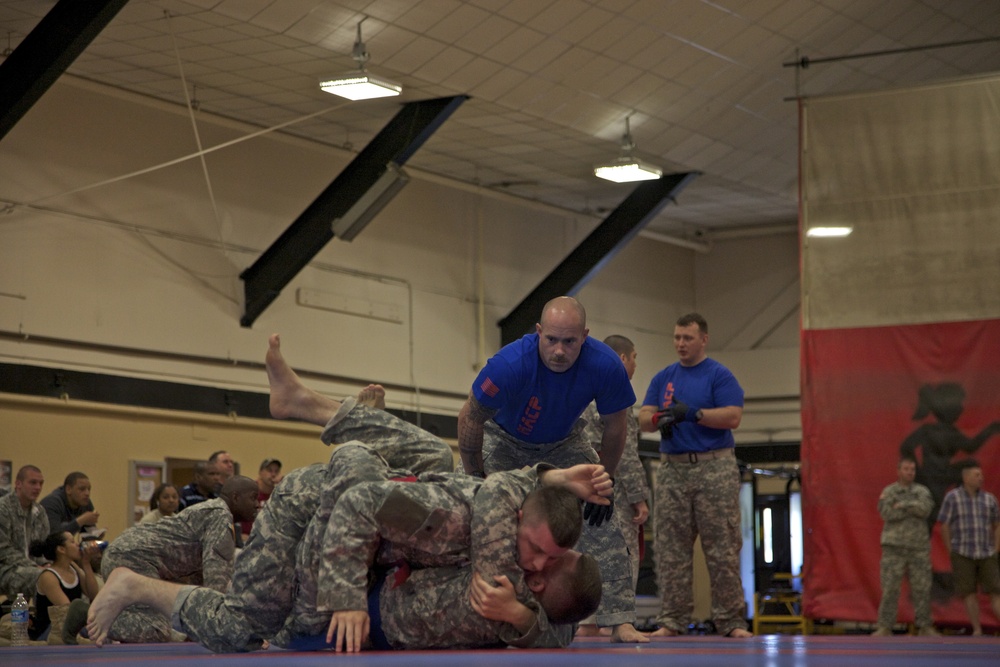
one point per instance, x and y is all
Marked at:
(695, 651)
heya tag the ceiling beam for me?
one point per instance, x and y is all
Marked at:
(595, 251)
(313, 229)
(48, 50)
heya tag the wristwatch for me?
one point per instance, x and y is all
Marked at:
(698, 415)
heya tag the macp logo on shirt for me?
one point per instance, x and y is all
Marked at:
(530, 416)
(668, 395)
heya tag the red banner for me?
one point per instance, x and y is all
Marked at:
(867, 395)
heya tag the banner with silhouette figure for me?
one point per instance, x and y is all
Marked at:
(900, 324)
(869, 396)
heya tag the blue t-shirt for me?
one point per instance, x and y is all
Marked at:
(706, 385)
(537, 405)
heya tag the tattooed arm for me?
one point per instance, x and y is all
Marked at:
(471, 420)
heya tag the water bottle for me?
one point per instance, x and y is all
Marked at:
(19, 621)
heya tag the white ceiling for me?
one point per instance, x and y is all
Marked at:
(551, 81)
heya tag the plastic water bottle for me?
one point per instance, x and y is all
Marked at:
(19, 621)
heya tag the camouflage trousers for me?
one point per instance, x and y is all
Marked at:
(20, 580)
(606, 543)
(916, 563)
(264, 583)
(632, 534)
(137, 623)
(699, 499)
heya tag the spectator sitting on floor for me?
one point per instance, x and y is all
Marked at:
(202, 487)
(67, 577)
(224, 462)
(268, 477)
(22, 521)
(69, 507)
(165, 502)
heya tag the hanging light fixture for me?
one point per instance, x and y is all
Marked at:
(625, 168)
(359, 84)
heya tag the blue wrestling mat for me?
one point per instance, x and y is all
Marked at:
(765, 651)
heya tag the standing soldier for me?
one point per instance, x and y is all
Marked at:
(696, 403)
(906, 548)
(631, 488)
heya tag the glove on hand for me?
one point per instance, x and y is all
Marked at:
(595, 514)
(677, 412)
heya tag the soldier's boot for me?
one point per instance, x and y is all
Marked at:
(57, 618)
(76, 619)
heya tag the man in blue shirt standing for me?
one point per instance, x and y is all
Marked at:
(695, 403)
(524, 408)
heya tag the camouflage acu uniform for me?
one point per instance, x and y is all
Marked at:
(195, 546)
(606, 543)
(439, 521)
(18, 529)
(906, 547)
(708, 490)
(630, 479)
(431, 610)
(264, 583)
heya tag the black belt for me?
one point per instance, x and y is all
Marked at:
(695, 457)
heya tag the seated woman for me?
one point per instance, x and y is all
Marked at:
(67, 577)
(165, 501)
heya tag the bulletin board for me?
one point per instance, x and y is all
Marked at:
(143, 478)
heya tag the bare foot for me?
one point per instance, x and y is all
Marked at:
(109, 602)
(739, 633)
(627, 634)
(373, 396)
(290, 399)
(664, 632)
(286, 387)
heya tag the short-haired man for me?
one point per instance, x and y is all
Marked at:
(195, 546)
(69, 507)
(970, 526)
(202, 487)
(524, 407)
(224, 463)
(696, 403)
(22, 521)
(906, 549)
(631, 487)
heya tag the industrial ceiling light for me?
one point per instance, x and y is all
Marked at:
(359, 84)
(625, 168)
(828, 232)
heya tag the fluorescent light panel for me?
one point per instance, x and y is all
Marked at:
(627, 170)
(828, 232)
(360, 86)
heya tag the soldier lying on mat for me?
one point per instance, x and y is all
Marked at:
(513, 528)
(193, 546)
(261, 595)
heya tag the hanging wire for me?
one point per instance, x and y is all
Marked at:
(191, 156)
(194, 127)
